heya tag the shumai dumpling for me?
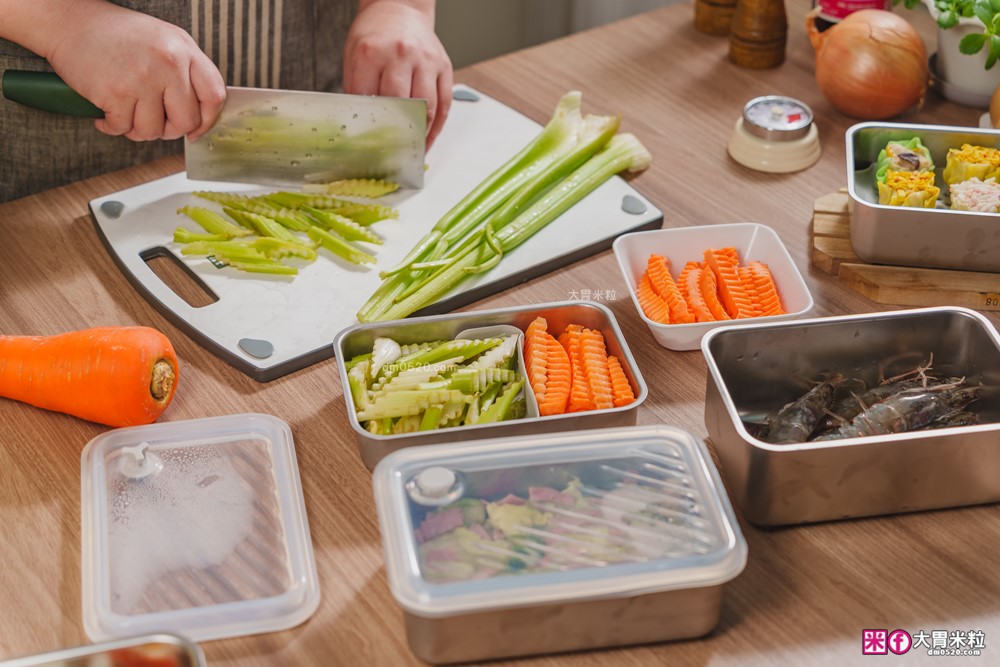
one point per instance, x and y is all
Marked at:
(915, 189)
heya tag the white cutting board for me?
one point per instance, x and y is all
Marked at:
(289, 323)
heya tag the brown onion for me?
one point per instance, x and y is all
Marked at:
(871, 65)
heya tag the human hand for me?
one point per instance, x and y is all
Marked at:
(392, 50)
(148, 76)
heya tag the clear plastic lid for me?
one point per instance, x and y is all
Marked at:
(196, 527)
(554, 518)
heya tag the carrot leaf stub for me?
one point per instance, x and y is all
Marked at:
(117, 376)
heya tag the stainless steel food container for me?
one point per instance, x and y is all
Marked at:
(613, 537)
(756, 369)
(938, 238)
(359, 340)
(148, 649)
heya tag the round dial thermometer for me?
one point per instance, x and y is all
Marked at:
(775, 134)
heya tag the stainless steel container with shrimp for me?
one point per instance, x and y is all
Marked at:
(938, 237)
(754, 370)
(359, 340)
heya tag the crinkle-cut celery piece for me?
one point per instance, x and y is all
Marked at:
(354, 361)
(340, 247)
(471, 380)
(345, 227)
(357, 379)
(367, 214)
(463, 348)
(213, 223)
(182, 235)
(411, 378)
(431, 418)
(368, 188)
(496, 357)
(500, 408)
(279, 249)
(299, 199)
(225, 250)
(623, 153)
(263, 225)
(407, 424)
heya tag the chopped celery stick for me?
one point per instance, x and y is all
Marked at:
(407, 424)
(261, 224)
(213, 223)
(225, 250)
(498, 411)
(518, 409)
(385, 425)
(389, 372)
(470, 381)
(299, 199)
(409, 402)
(358, 385)
(431, 418)
(354, 361)
(345, 227)
(278, 248)
(182, 235)
(472, 414)
(465, 348)
(339, 247)
(410, 379)
(487, 397)
(369, 188)
(265, 267)
(374, 427)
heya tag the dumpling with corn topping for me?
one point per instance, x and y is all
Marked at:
(909, 155)
(971, 162)
(908, 188)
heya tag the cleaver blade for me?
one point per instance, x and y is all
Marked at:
(289, 138)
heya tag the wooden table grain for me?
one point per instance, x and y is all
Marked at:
(806, 593)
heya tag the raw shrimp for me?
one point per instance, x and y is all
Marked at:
(960, 418)
(796, 421)
(907, 411)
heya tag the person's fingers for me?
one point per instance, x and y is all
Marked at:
(396, 80)
(210, 90)
(425, 88)
(147, 123)
(117, 119)
(365, 77)
(183, 111)
(445, 82)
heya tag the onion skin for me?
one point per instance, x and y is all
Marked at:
(872, 65)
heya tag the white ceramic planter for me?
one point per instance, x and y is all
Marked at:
(965, 77)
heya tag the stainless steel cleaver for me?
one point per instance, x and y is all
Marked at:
(277, 137)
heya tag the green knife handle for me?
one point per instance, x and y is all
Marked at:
(46, 91)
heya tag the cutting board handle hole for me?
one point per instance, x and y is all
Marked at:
(179, 277)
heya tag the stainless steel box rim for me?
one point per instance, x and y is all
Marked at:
(719, 566)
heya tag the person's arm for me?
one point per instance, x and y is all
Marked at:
(392, 50)
(148, 76)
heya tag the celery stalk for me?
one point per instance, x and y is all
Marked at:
(623, 152)
(212, 222)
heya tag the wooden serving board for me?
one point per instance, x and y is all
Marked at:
(895, 285)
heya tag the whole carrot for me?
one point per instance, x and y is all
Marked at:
(118, 376)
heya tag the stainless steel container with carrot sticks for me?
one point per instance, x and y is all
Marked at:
(929, 237)
(359, 340)
(753, 370)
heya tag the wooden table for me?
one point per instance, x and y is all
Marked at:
(806, 593)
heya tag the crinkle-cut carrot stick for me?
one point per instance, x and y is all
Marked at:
(658, 268)
(696, 302)
(731, 291)
(558, 379)
(580, 398)
(766, 289)
(595, 365)
(710, 293)
(620, 386)
(652, 305)
(682, 280)
(733, 254)
(746, 277)
(536, 356)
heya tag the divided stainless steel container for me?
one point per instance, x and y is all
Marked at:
(359, 340)
(558, 542)
(936, 238)
(755, 369)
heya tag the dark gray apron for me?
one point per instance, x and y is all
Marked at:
(294, 44)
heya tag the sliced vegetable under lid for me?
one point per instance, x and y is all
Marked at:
(542, 519)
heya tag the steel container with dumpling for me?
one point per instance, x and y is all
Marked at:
(591, 314)
(754, 370)
(937, 237)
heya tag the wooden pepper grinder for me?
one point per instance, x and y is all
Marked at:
(714, 17)
(759, 34)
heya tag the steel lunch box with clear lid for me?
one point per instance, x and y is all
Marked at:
(359, 339)
(559, 542)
